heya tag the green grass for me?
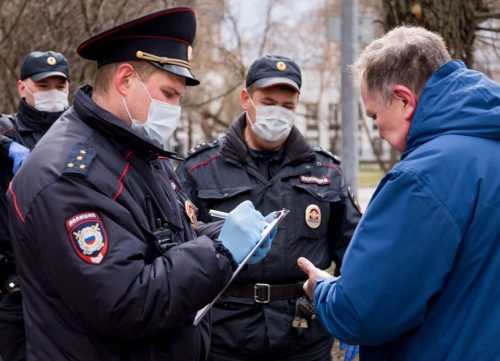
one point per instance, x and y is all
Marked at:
(369, 175)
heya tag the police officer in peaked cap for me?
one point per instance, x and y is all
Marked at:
(113, 262)
(42, 86)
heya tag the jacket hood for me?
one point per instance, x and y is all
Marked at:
(456, 100)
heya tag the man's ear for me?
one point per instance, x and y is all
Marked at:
(21, 89)
(122, 78)
(244, 98)
(408, 98)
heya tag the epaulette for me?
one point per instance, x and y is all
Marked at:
(327, 153)
(79, 159)
(6, 122)
(202, 147)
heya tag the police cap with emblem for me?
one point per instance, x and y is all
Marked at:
(163, 38)
(39, 65)
(271, 70)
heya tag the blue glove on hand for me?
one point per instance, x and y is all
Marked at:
(241, 230)
(261, 252)
(350, 351)
(18, 153)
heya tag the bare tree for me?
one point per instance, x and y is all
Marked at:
(58, 25)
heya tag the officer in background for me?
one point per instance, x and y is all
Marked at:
(43, 92)
(263, 157)
(112, 261)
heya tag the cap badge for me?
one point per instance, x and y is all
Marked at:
(51, 60)
(281, 66)
(313, 216)
(190, 53)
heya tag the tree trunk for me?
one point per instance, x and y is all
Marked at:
(455, 20)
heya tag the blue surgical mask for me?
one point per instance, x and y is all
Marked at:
(272, 122)
(161, 122)
(51, 101)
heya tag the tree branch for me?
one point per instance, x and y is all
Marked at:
(209, 100)
(485, 16)
(16, 21)
(495, 30)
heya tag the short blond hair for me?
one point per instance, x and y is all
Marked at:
(105, 73)
(405, 55)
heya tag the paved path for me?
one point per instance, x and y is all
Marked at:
(364, 196)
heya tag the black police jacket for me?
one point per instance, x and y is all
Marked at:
(25, 127)
(86, 209)
(221, 174)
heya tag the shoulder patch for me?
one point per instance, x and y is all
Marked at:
(329, 154)
(88, 236)
(202, 147)
(79, 160)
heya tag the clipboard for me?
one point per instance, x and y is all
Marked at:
(278, 218)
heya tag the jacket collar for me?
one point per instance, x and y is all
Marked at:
(295, 149)
(30, 119)
(113, 127)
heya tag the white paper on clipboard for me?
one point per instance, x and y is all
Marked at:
(280, 215)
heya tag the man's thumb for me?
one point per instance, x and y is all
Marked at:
(305, 265)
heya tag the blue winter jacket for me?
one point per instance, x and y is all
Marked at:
(421, 277)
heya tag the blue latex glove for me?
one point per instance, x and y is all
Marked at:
(18, 153)
(261, 252)
(350, 351)
(241, 230)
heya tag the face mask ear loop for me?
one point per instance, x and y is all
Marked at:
(140, 80)
(254, 106)
(28, 89)
(126, 109)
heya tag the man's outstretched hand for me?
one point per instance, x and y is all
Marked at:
(315, 275)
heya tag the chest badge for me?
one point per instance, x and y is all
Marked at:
(88, 236)
(313, 216)
(190, 211)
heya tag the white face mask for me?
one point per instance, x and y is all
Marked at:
(272, 122)
(51, 101)
(161, 122)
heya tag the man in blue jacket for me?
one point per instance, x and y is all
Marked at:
(421, 277)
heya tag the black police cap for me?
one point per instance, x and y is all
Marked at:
(271, 70)
(163, 38)
(39, 65)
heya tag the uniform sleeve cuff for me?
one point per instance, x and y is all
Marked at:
(219, 247)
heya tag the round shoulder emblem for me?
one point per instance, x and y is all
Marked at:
(281, 66)
(51, 60)
(313, 216)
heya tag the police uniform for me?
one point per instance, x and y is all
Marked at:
(111, 265)
(25, 127)
(264, 315)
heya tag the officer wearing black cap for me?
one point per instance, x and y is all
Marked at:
(43, 92)
(264, 315)
(113, 262)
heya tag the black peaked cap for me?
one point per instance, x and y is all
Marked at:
(163, 38)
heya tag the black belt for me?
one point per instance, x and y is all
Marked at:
(264, 292)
